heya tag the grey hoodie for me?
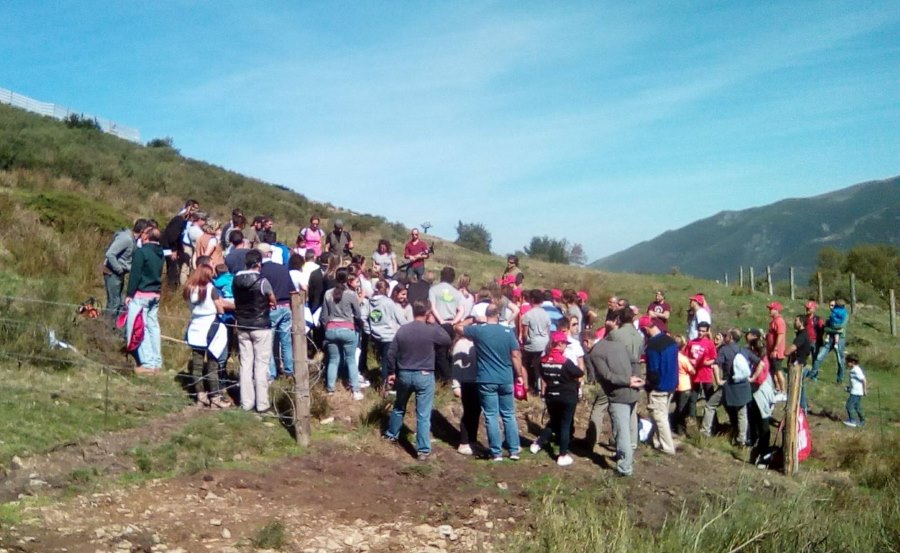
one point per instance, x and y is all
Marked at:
(614, 371)
(118, 254)
(384, 318)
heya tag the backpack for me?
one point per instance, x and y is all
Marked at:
(740, 368)
(133, 338)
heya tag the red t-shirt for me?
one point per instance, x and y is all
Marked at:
(660, 307)
(411, 250)
(776, 326)
(812, 329)
(699, 351)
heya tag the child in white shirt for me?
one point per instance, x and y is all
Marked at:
(857, 389)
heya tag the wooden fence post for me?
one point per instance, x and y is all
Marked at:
(769, 278)
(752, 280)
(791, 408)
(853, 293)
(742, 276)
(793, 295)
(301, 369)
(821, 292)
(893, 313)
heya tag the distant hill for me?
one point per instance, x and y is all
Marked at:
(783, 234)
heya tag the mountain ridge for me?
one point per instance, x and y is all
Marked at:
(786, 233)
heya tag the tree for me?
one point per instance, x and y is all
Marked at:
(473, 236)
(425, 226)
(577, 255)
(877, 264)
(829, 262)
(548, 249)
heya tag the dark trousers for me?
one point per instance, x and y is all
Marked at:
(561, 414)
(706, 390)
(205, 372)
(682, 410)
(442, 367)
(174, 268)
(532, 362)
(760, 433)
(471, 404)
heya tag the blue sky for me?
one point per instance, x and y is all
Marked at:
(605, 123)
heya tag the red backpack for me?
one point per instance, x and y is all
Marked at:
(134, 339)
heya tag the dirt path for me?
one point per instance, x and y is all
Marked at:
(352, 496)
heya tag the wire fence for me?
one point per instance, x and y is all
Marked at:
(61, 112)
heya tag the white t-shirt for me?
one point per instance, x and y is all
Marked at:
(573, 351)
(700, 316)
(857, 381)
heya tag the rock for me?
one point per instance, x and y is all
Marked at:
(502, 485)
(215, 522)
(210, 496)
(489, 525)
(328, 420)
(35, 483)
(99, 533)
(423, 530)
(445, 530)
(16, 463)
(767, 484)
(226, 533)
(478, 512)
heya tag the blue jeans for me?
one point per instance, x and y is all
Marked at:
(149, 353)
(281, 339)
(825, 350)
(340, 344)
(498, 403)
(855, 410)
(420, 383)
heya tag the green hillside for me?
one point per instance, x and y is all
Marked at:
(783, 234)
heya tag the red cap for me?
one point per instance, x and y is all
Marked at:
(559, 337)
(811, 304)
(583, 295)
(774, 305)
(699, 298)
(645, 321)
(556, 293)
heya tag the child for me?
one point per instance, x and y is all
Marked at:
(857, 390)
(560, 378)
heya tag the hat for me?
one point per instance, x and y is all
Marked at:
(646, 321)
(699, 298)
(556, 293)
(811, 304)
(583, 295)
(559, 337)
(263, 248)
(774, 305)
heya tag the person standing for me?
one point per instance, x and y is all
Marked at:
(447, 307)
(835, 339)
(313, 235)
(235, 260)
(415, 252)
(700, 315)
(338, 242)
(734, 387)
(384, 260)
(144, 287)
(536, 336)
(206, 335)
(279, 278)
(253, 299)
(857, 390)
(411, 371)
(702, 353)
(384, 319)
(499, 365)
(660, 310)
(173, 247)
(815, 329)
(341, 316)
(614, 370)
(662, 379)
(561, 378)
(117, 264)
(776, 342)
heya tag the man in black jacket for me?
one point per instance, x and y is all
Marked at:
(253, 299)
(173, 248)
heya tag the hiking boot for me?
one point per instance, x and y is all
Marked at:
(203, 399)
(218, 402)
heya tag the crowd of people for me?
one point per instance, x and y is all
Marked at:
(492, 346)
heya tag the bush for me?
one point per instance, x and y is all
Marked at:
(75, 121)
(67, 211)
